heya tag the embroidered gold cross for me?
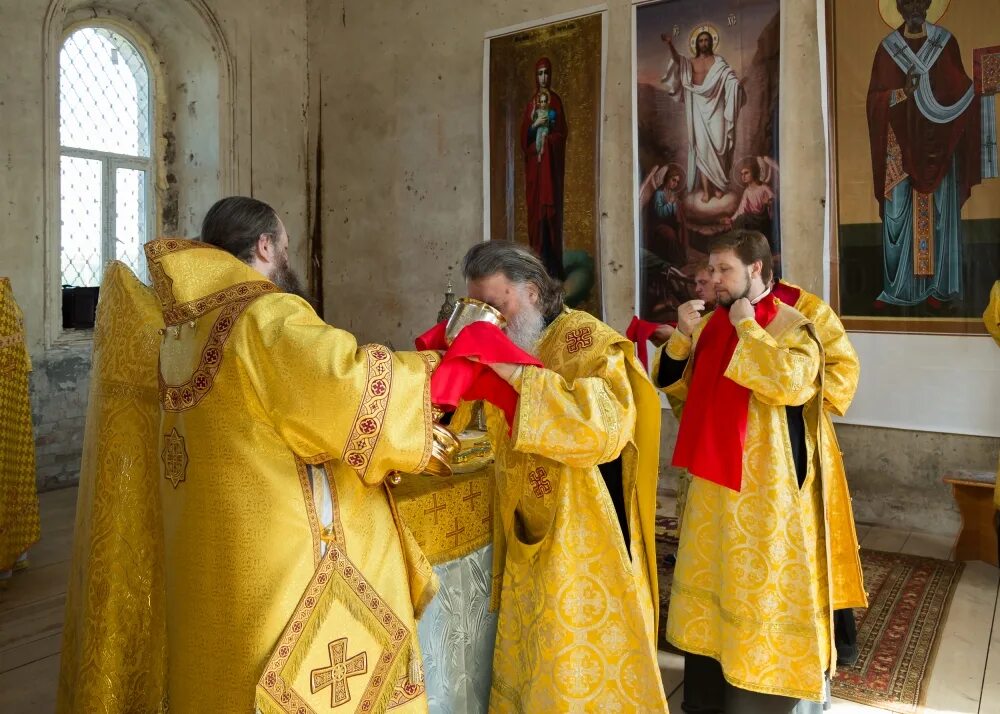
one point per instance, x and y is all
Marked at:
(435, 509)
(456, 533)
(340, 670)
(578, 339)
(472, 495)
(539, 483)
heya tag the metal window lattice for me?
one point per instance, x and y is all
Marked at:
(105, 164)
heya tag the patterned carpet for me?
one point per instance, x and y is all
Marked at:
(897, 635)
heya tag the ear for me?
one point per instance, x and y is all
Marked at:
(533, 295)
(265, 248)
(756, 269)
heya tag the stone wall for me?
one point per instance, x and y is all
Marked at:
(230, 118)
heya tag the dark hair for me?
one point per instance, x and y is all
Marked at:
(754, 168)
(236, 223)
(749, 246)
(517, 264)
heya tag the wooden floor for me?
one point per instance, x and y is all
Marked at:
(964, 678)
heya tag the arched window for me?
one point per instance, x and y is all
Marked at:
(105, 159)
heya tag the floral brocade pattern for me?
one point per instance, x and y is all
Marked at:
(751, 586)
(19, 526)
(576, 610)
(116, 573)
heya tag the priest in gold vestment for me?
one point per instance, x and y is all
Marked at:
(751, 597)
(19, 527)
(114, 638)
(574, 502)
(289, 584)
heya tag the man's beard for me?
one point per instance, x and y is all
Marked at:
(285, 278)
(730, 298)
(525, 328)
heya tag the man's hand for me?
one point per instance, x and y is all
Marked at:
(689, 315)
(504, 369)
(661, 334)
(740, 310)
(911, 82)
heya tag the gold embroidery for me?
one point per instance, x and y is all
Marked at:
(578, 339)
(175, 458)
(337, 572)
(427, 506)
(894, 173)
(188, 311)
(367, 427)
(405, 691)
(923, 234)
(341, 669)
(181, 397)
(310, 502)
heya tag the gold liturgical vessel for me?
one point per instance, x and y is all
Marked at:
(470, 450)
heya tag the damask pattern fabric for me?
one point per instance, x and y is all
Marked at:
(577, 607)
(457, 636)
(19, 526)
(751, 587)
(254, 388)
(114, 639)
(841, 372)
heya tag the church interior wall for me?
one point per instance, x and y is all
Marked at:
(231, 108)
(371, 121)
(400, 123)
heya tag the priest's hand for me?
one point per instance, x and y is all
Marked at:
(689, 315)
(661, 334)
(504, 369)
(740, 311)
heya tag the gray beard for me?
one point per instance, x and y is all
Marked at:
(525, 329)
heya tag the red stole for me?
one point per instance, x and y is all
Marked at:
(639, 331)
(457, 378)
(714, 422)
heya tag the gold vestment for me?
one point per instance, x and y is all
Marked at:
(114, 639)
(751, 586)
(577, 620)
(263, 405)
(841, 372)
(19, 503)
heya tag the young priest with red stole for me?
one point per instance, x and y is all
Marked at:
(750, 603)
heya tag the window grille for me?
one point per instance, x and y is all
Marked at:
(106, 166)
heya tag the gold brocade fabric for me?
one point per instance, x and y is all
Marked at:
(449, 518)
(751, 585)
(577, 612)
(991, 318)
(18, 494)
(114, 639)
(841, 372)
(253, 388)
(991, 315)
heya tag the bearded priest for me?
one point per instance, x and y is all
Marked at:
(751, 599)
(574, 572)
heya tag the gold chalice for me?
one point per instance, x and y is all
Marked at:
(446, 445)
(468, 310)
